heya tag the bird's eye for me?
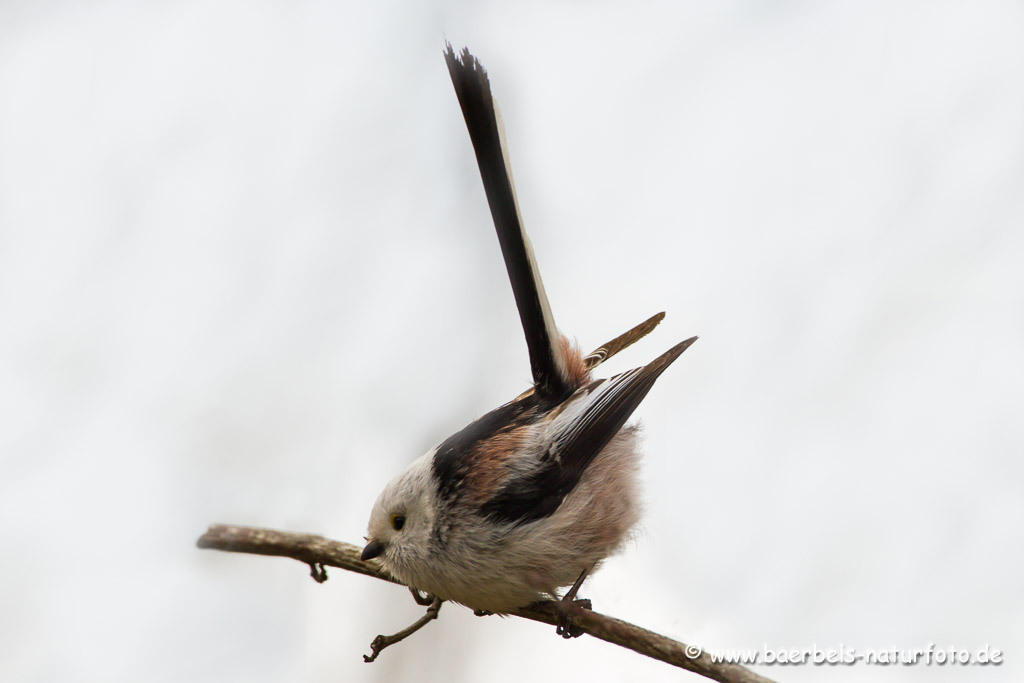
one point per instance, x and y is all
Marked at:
(397, 522)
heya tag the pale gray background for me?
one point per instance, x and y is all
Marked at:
(247, 273)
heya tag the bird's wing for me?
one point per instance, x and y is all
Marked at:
(552, 375)
(576, 434)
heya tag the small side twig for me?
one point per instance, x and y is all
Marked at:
(318, 572)
(381, 642)
(318, 551)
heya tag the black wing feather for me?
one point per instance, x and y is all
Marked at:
(539, 494)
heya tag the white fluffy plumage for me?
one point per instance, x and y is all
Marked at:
(454, 553)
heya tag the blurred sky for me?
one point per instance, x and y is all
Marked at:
(247, 273)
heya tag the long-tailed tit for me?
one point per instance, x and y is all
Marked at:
(536, 493)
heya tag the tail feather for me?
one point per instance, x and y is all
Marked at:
(551, 375)
(623, 341)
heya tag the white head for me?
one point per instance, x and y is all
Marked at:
(403, 519)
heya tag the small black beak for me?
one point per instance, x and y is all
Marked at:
(372, 550)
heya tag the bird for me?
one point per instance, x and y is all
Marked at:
(531, 497)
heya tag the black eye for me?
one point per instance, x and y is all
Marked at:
(397, 522)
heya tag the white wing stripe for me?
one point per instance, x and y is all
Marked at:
(589, 407)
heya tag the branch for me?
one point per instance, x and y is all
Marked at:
(381, 642)
(319, 552)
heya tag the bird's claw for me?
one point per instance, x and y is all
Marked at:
(567, 609)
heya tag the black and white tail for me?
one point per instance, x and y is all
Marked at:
(552, 376)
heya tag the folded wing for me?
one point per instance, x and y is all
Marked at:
(577, 434)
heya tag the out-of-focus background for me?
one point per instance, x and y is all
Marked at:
(247, 273)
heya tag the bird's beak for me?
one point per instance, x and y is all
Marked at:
(372, 550)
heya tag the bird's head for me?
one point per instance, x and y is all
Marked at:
(402, 519)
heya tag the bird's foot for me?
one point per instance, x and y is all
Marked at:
(569, 608)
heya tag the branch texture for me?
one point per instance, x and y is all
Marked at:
(319, 552)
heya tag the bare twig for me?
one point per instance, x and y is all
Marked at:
(381, 642)
(319, 552)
